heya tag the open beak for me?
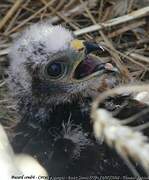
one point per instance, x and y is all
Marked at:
(91, 65)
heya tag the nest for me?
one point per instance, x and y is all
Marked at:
(120, 26)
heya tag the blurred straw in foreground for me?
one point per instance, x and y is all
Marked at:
(16, 165)
(127, 141)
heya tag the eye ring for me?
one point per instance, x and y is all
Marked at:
(55, 70)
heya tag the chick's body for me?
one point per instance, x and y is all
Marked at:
(53, 85)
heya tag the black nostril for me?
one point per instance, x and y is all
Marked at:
(90, 47)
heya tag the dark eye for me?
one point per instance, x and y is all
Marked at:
(55, 69)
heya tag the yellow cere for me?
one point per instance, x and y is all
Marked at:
(77, 44)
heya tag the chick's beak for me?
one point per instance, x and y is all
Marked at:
(80, 45)
(90, 65)
(90, 68)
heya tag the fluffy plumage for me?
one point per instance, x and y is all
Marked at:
(32, 48)
(55, 122)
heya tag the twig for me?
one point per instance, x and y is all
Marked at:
(66, 19)
(132, 60)
(68, 5)
(88, 12)
(58, 7)
(139, 57)
(31, 17)
(100, 11)
(141, 127)
(2, 84)
(113, 22)
(119, 90)
(77, 9)
(125, 56)
(142, 97)
(138, 43)
(10, 13)
(126, 28)
(116, 57)
(126, 141)
(16, 16)
(4, 52)
(134, 117)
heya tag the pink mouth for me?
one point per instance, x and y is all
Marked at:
(88, 67)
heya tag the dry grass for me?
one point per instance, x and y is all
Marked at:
(121, 26)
